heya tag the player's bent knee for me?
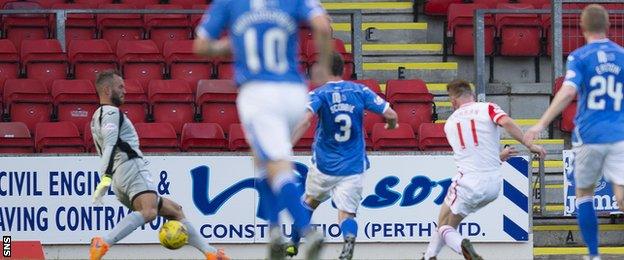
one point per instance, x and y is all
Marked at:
(149, 214)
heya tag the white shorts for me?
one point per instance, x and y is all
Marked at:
(471, 192)
(269, 112)
(594, 160)
(345, 191)
(132, 179)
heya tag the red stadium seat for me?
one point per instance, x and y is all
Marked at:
(310, 54)
(567, 117)
(27, 101)
(15, 138)
(20, 27)
(237, 141)
(537, 4)
(399, 139)
(48, 3)
(431, 137)
(167, 27)
(373, 85)
(77, 26)
(90, 57)
(135, 106)
(157, 137)
(438, 7)
(571, 30)
(140, 60)
(75, 101)
(569, 113)
(490, 4)
(520, 34)
(411, 100)
(9, 60)
(217, 102)
(87, 138)
(196, 18)
(172, 102)
(184, 64)
(94, 3)
(370, 118)
(203, 137)
(44, 60)
(225, 68)
(142, 4)
(188, 4)
(460, 29)
(58, 137)
(119, 27)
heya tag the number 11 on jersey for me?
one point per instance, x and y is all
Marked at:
(473, 129)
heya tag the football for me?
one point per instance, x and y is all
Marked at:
(173, 234)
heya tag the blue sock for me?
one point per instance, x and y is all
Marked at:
(289, 195)
(268, 202)
(349, 227)
(296, 237)
(588, 223)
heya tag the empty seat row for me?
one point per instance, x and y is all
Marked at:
(111, 27)
(64, 137)
(515, 34)
(141, 60)
(173, 101)
(95, 3)
(441, 7)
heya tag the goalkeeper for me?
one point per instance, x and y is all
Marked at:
(124, 168)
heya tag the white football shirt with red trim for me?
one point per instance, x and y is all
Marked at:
(472, 130)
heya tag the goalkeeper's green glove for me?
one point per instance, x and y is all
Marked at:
(101, 189)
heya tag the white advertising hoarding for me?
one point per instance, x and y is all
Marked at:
(49, 199)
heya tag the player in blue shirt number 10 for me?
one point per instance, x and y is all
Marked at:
(339, 149)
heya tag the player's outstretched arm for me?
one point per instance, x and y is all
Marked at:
(302, 127)
(392, 119)
(562, 99)
(212, 48)
(321, 30)
(514, 130)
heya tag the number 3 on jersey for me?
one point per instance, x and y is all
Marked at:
(345, 128)
(473, 129)
(274, 43)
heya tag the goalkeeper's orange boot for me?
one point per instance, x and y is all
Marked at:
(219, 255)
(98, 248)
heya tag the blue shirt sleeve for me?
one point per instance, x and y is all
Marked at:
(308, 9)
(574, 73)
(315, 102)
(374, 102)
(214, 20)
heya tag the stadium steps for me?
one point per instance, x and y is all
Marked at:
(569, 253)
(384, 32)
(427, 71)
(410, 49)
(372, 6)
(568, 235)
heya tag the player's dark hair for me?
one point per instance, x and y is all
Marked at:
(105, 77)
(458, 88)
(337, 64)
(595, 19)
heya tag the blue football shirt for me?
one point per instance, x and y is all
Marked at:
(596, 71)
(263, 33)
(339, 148)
